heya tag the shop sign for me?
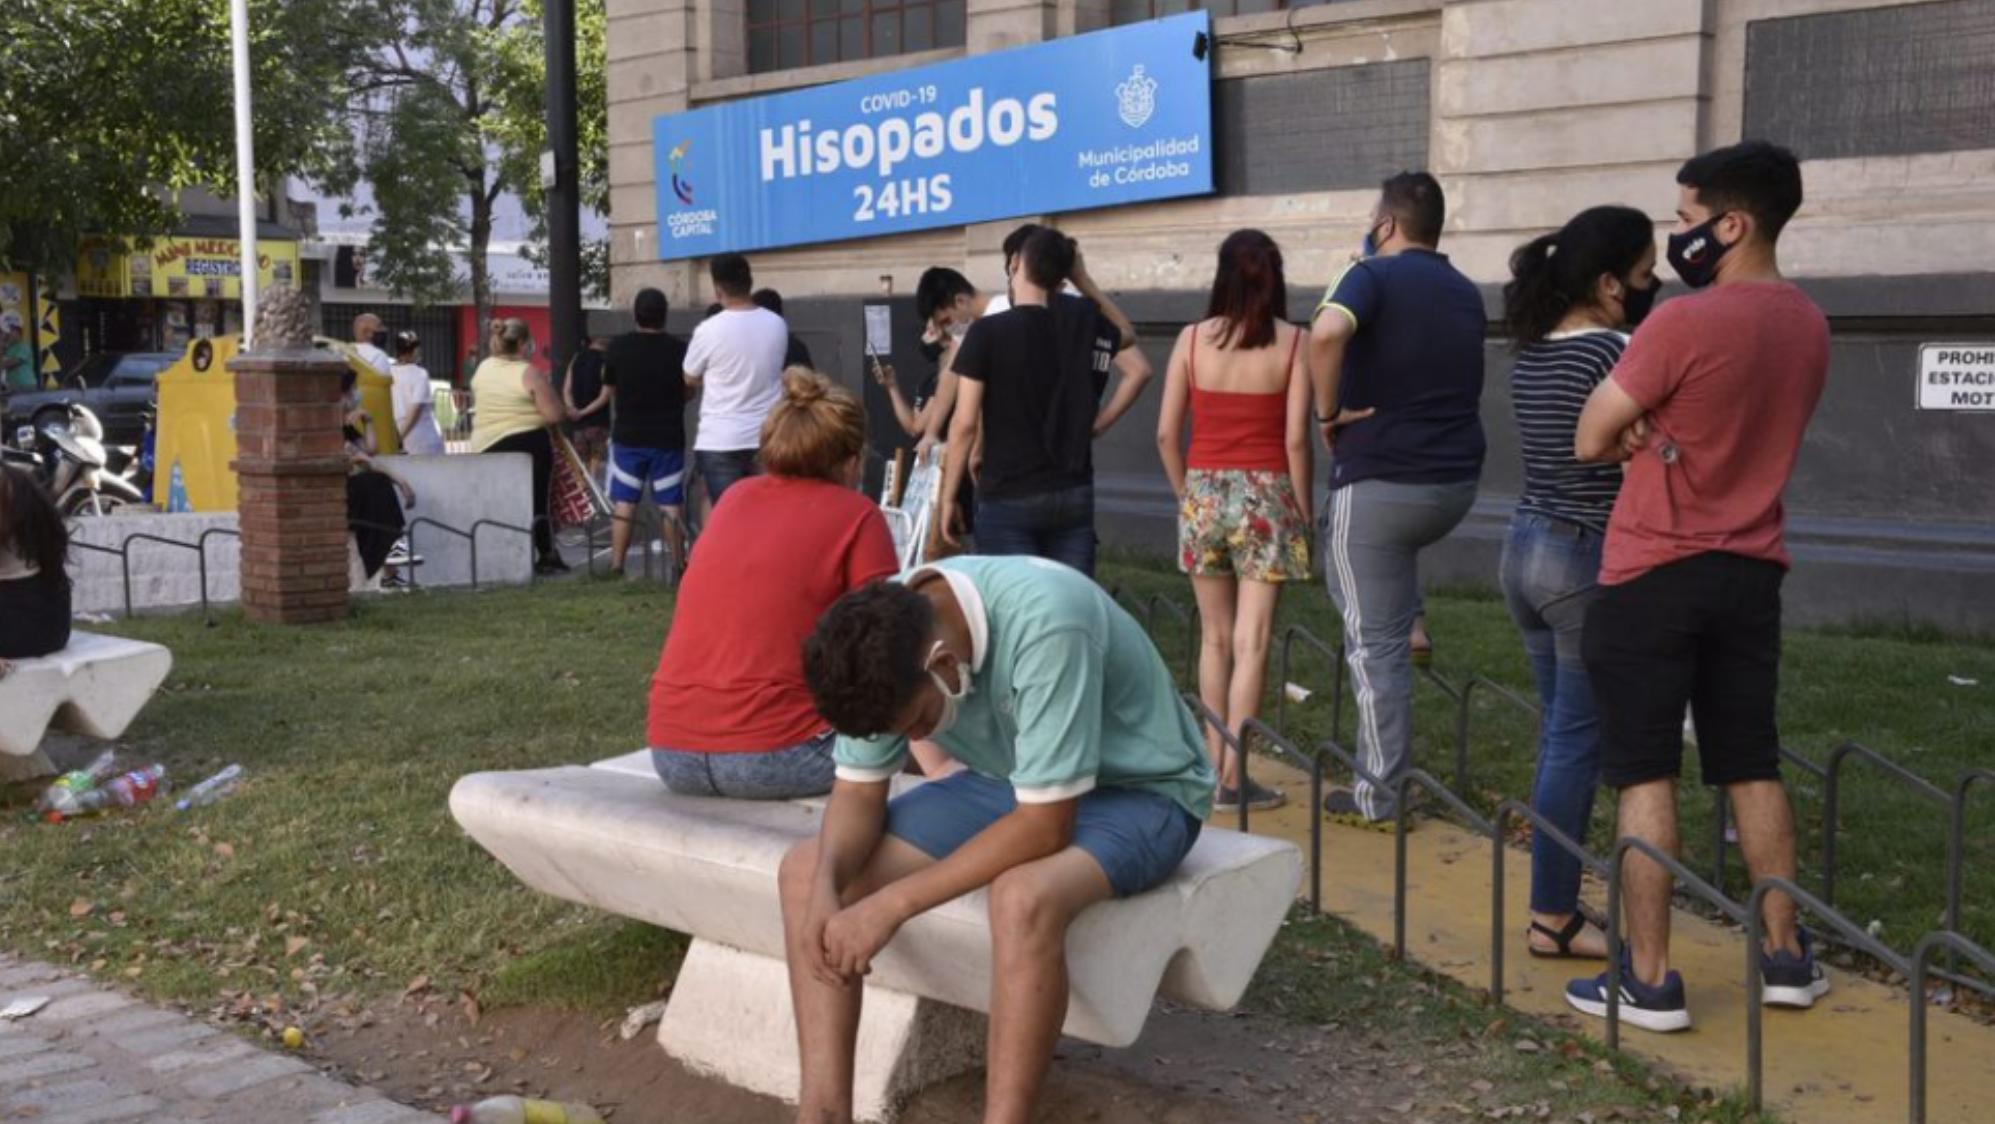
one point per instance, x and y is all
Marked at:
(181, 268)
(1112, 117)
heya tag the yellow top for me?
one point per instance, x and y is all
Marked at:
(503, 405)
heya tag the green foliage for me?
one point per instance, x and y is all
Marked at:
(109, 108)
(519, 127)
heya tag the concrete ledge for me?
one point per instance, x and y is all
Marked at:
(613, 837)
(95, 686)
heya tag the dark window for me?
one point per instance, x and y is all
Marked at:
(1321, 130)
(1136, 11)
(1878, 82)
(784, 34)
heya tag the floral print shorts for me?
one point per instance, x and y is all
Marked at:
(1235, 523)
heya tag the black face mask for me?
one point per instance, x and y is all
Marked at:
(1636, 303)
(932, 352)
(1694, 253)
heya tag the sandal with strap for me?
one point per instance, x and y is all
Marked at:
(1563, 938)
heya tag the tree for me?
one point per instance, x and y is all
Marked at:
(520, 127)
(109, 108)
(451, 115)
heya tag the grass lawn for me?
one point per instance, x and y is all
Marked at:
(337, 873)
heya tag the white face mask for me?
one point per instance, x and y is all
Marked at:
(952, 701)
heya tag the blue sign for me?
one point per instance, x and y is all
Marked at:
(1096, 120)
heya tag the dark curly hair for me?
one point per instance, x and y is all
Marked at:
(864, 661)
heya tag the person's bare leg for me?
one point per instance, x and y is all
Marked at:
(933, 761)
(1031, 908)
(1215, 666)
(1766, 837)
(1648, 813)
(828, 1014)
(675, 535)
(1253, 624)
(620, 535)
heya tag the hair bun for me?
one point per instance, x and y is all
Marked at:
(803, 386)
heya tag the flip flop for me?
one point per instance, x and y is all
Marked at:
(1563, 938)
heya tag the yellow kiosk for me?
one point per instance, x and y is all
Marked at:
(195, 437)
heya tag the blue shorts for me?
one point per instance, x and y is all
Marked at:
(1138, 838)
(631, 468)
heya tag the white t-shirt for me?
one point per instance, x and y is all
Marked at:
(374, 357)
(739, 354)
(412, 392)
(1002, 301)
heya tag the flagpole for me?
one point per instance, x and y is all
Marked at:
(245, 167)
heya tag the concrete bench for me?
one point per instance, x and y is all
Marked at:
(95, 686)
(611, 836)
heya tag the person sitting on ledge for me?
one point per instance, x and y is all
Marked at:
(1086, 779)
(34, 585)
(730, 715)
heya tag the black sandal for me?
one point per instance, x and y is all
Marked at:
(1563, 938)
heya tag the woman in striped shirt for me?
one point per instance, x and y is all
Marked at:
(1571, 296)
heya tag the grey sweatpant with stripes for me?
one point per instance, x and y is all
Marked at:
(1373, 533)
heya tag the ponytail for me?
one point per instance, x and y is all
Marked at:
(1555, 273)
(1532, 300)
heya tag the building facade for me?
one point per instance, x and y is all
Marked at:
(1528, 111)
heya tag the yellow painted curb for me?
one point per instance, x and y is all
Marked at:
(1844, 1061)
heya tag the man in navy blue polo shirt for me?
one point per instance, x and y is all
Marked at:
(1396, 357)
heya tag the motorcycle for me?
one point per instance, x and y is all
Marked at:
(76, 465)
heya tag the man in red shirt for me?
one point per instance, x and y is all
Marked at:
(1707, 407)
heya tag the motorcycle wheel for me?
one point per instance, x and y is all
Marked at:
(80, 504)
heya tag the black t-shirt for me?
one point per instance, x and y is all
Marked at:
(648, 370)
(1043, 368)
(795, 354)
(585, 382)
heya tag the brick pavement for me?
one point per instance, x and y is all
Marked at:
(96, 1056)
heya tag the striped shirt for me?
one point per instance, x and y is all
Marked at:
(1548, 388)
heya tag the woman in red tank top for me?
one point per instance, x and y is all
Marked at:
(1243, 487)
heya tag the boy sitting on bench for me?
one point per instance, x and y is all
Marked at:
(1086, 779)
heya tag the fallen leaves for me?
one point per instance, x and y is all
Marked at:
(81, 907)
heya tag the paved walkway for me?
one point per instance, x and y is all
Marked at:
(1842, 1063)
(96, 1056)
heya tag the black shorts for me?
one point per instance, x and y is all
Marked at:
(1705, 632)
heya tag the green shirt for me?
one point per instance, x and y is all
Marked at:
(1067, 693)
(21, 376)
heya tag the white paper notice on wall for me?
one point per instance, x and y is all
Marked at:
(1957, 376)
(879, 329)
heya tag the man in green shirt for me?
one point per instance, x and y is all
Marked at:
(17, 359)
(1086, 779)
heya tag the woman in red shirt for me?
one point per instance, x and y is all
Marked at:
(730, 714)
(1243, 488)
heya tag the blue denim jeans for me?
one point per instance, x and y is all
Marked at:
(723, 470)
(777, 774)
(1056, 525)
(1550, 575)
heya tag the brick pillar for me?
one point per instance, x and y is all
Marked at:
(291, 469)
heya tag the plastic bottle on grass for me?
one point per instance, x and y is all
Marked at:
(63, 793)
(211, 790)
(127, 790)
(523, 1110)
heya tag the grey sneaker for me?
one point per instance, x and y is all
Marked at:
(1259, 799)
(1341, 806)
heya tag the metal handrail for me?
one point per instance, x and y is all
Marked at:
(1832, 800)
(1616, 862)
(1462, 708)
(1955, 944)
(468, 537)
(1755, 1010)
(1334, 656)
(1189, 618)
(1539, 824)
(1313, 762)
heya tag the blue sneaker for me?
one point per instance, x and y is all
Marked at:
(1787, 980)
(1662, 1009)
